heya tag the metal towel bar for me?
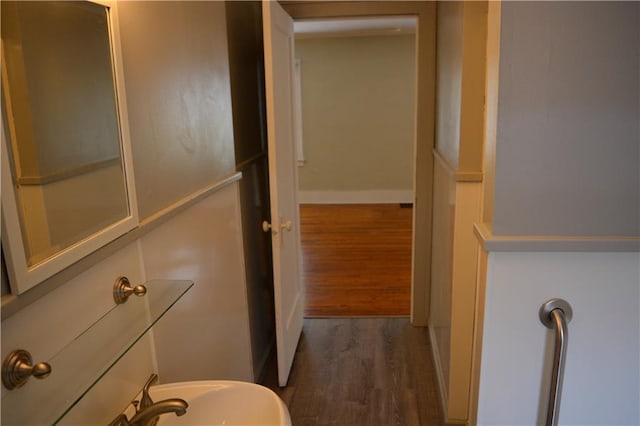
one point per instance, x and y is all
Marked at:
(556, 314)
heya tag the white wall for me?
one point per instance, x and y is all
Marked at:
(48, 325)
(456, 207)
(601, 381)
(461, 43)
(204, 336)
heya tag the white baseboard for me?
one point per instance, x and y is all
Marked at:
(389, 196)
(439, 373)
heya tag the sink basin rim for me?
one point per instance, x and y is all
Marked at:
(192, 391)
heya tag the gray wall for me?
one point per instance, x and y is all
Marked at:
(179, 98)
(449, 84)
(461, 52)
(568, 149)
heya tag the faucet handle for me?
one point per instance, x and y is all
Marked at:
(152, 379)
(146, 400)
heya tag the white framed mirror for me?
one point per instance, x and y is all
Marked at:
(67, 179)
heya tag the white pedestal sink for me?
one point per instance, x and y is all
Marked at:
(219, 402)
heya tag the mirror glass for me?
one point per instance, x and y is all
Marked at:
(61, 124)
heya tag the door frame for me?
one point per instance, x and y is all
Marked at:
(425, 12)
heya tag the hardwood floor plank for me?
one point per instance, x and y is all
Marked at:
(361, 371)
(356, 259)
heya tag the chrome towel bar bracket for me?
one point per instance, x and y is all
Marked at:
(122, 289)
(18, 366)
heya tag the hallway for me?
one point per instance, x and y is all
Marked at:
(361, 371)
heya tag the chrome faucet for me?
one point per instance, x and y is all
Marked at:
(147, 411)
(148, 416)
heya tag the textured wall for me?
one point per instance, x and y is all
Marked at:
(358, 103)
(462, 28)
(449, 86)
(177, 76)
(568, 140)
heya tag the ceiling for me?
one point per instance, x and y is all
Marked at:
(355, 26)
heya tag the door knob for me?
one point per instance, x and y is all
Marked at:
(286, 225)
(266, 226)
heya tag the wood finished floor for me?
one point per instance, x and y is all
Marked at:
(361, 371)
(356, 259)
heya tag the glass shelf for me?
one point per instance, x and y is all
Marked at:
(86, 359)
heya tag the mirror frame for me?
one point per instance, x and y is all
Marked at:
(23, 277)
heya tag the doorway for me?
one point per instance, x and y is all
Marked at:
(278, 36)
(355, 163)
(425, 121)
